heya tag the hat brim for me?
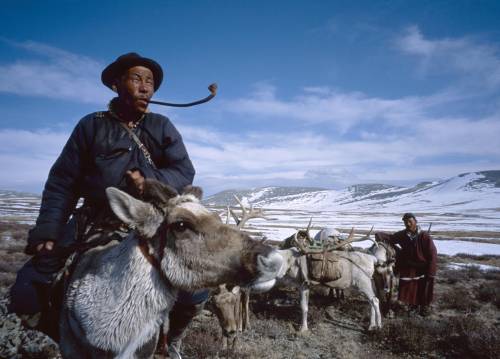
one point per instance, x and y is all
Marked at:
(118, 68)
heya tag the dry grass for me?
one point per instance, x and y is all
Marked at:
(462, 275)
(459, 299)
(462, 325)
(203, 341)
(454, 337)
(489, 293)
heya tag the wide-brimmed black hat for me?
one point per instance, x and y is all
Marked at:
(124, 62)
(408, 216)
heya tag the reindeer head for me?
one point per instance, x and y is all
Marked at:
(300, 239)
(384, 267)
(195, 249)
(228, 309)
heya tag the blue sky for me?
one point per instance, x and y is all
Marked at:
(311, 93)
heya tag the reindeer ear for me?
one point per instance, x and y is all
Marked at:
(135, 213)
(194, 190)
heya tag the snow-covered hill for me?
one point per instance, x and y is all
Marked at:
(465, 207)
(463, 193)
(469, 201)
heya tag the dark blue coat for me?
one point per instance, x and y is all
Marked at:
(96, 156)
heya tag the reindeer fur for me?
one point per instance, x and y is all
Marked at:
(116, 299)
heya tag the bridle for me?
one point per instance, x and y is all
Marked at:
(154, 261)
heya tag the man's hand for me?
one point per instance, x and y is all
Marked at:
(137, 179)
(49, 245)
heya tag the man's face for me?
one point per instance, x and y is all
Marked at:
(411, 224)
(135, 88)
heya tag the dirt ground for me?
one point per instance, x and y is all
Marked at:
(465, 322)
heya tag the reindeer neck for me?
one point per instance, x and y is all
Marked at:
(126, 293)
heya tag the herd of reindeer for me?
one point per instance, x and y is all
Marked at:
(327, 259)
(120, 293)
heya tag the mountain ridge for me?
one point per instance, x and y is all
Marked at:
(464, 192)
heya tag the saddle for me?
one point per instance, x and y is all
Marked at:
(323, 267)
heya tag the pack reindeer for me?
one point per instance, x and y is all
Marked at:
(118, 294)
(329, 266)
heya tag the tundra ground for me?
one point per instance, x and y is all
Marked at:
(465, 321)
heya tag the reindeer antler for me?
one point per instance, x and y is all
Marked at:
(309, 239)
(246, 214)
(367, 237)
(351, 239)
(227, 215)
(331, 246)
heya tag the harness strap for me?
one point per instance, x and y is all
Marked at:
(141, 146)
(357, 265)
(144, 247)
(156, 262)
(323, 265)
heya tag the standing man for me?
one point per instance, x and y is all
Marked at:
(416, 264)
(120, 148)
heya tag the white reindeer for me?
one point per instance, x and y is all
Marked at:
(118, 294)
(355, 269)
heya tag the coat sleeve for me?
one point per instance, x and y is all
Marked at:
(382, 237)
(61, 193)
(393, 239)
(175, 167)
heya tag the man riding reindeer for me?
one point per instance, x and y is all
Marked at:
(119, 147)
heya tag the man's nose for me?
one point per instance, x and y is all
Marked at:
(143, 87)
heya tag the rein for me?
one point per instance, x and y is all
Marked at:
(357, 265)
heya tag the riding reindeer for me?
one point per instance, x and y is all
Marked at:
(118, 294)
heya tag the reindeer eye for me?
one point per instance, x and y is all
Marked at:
(179, 226)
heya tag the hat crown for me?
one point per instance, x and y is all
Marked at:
(408, 215)
(130, 55)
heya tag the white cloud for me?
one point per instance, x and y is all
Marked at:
(26, 156)
(315, 159)
(54, 74)
(478, 63)
(342, 110)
